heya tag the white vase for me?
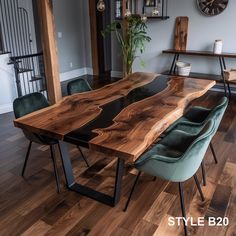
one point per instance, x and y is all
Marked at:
(218, 45)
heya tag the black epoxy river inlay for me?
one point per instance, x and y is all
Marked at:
(109, 111)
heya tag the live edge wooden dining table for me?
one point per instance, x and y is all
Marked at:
(121, 120)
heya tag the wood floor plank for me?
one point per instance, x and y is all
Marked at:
(31, 206)
(144, 228)
(219, 201)
(39, 229)
(160, 207)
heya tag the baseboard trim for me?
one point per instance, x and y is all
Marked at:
(6, 108)
(117, 74)
(75, 73)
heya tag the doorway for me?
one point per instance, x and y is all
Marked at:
(101, 47)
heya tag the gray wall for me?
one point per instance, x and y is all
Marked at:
(202, 33)
(72, 19)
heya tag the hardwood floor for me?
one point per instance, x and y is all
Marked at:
(31, 206)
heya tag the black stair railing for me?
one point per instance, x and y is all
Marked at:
(15, 29)
(15, 38)
(30, 74)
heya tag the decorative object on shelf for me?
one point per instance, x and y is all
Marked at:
(218, 46)
(212, 7)
(101, 6)
(154, 9)
(183, 68)
(132, 37)
(181, 33)
(149, 3)
(157, 8)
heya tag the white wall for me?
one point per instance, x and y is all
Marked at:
(203, 31)
(72, 22)
(7, 87)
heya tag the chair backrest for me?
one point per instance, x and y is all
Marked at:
(185, 166)
(78, 86)
(217, 113)
(189, 162)
(27, 104)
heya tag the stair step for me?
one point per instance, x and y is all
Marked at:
(36, 78)
(23, 70)
(13, 62)
(42, 90)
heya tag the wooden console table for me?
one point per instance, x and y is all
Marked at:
(221, 57)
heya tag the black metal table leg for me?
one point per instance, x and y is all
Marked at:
(86, 191)
(26, 158)
(132, 190)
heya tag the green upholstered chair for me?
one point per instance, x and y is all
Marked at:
(78, 86)
(26, 105)
(176, 158)
(194, 120)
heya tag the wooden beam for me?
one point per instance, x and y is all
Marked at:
(48, 38)
(93, 32)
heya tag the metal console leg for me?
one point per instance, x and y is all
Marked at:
(224, 65)
(173, 64)
(222, 74)
(177, 58)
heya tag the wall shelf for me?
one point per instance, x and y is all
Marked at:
(142, 7)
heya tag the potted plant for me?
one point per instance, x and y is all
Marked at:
(131, 34)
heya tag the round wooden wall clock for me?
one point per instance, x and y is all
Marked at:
(212, 7)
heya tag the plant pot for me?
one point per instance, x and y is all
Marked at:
(183, 68)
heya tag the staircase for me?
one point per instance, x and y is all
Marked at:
(15, 39)
(29, 74)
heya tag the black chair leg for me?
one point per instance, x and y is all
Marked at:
(213, 152)
(199, 187)
(55, 167)
(132, 190)
(26, 158)
(84, 158)
(181, 195)
(203, 173)
(229, 90)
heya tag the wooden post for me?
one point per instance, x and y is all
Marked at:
(48, 38)
(93, 31)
